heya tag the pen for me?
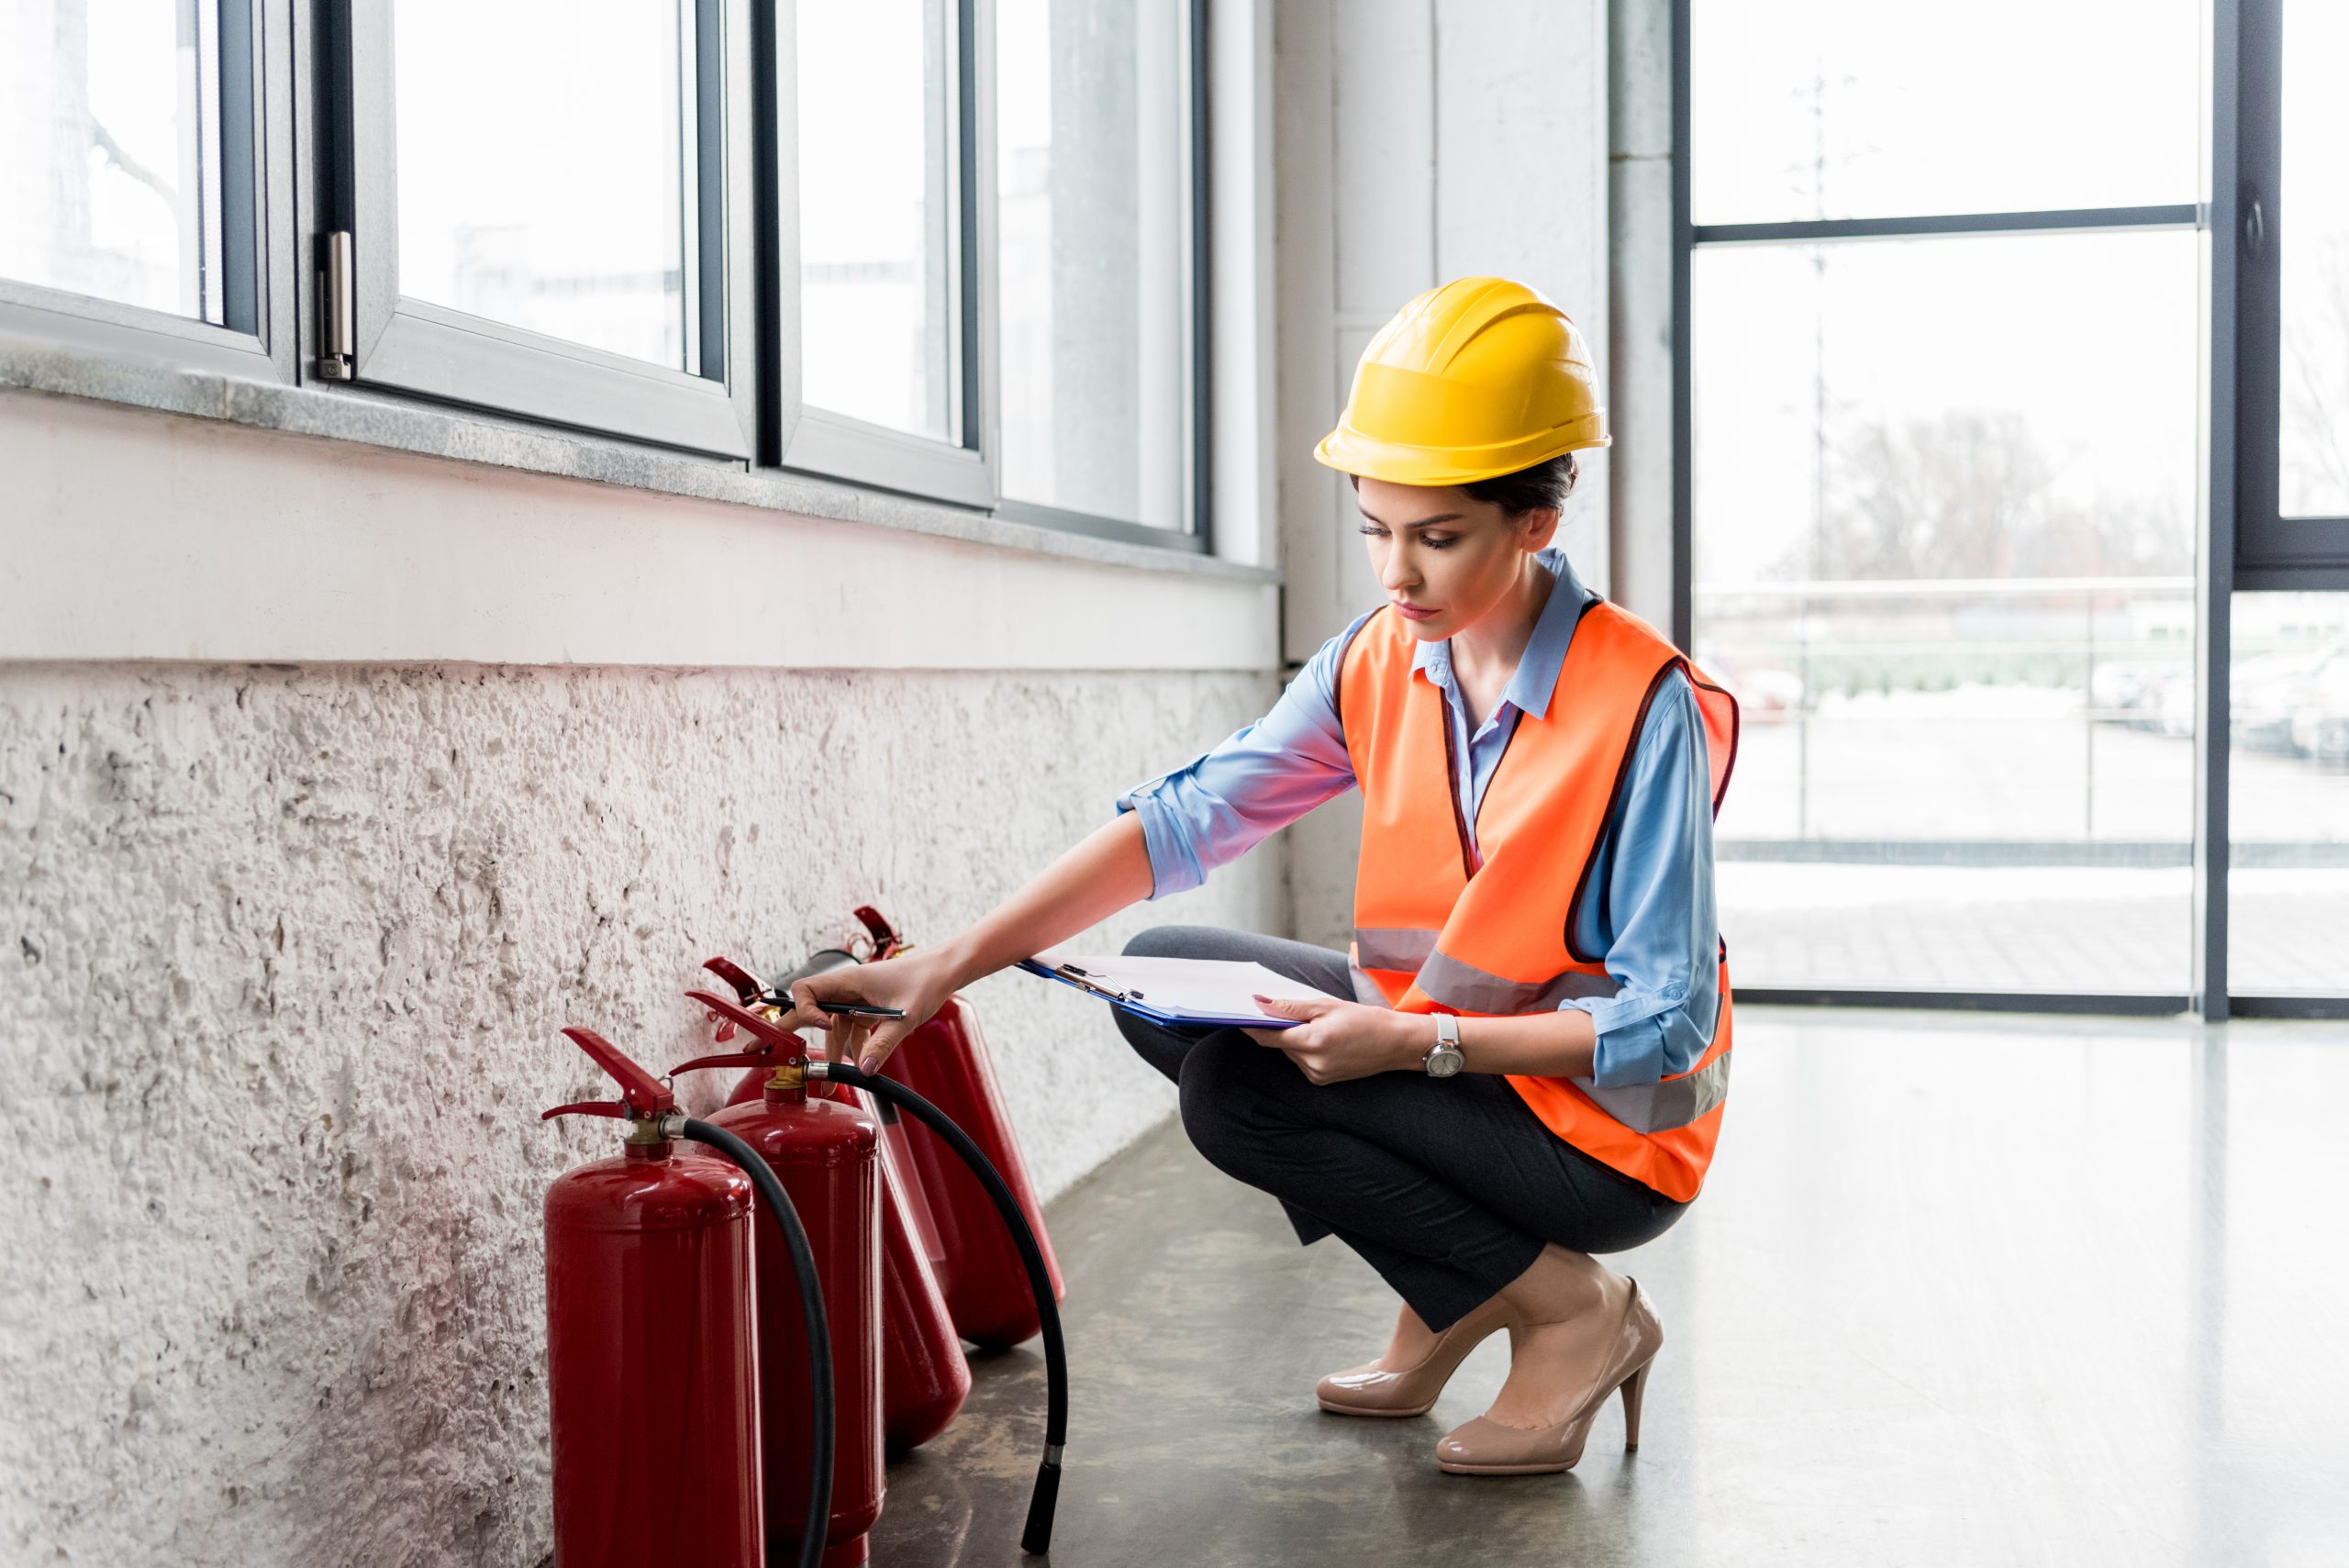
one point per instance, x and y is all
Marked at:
(860, 1010)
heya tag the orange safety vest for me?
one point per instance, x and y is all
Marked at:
(1437, 932)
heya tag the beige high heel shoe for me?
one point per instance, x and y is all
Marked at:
(1487, 1448)
(1373, 1390)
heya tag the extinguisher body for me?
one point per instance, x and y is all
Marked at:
(945, 1062)
(823, 1151)
(652, 1364)
(924, 1377)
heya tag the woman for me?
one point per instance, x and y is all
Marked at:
(1523, 1058)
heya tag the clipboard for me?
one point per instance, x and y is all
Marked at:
(1102, 977)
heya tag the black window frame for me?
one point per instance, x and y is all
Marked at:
(2243, 544)
(2271, 551)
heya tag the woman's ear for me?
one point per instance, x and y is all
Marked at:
(1538, 527)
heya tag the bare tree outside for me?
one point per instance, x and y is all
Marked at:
(1970, 494)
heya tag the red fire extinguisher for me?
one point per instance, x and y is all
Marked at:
(945, 1061)
(651, 1353)
(897, 1166)
(822, 1148)
(1036, 1535)
(924, 1379)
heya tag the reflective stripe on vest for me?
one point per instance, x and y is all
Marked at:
(1438, 928)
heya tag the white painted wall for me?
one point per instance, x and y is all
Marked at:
(137, 535)
(1417, 141)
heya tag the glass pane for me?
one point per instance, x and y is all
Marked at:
(110, 153)
(1944, 522)
(1858, 108)
(2314, 231)
(544, 178)
(876, 281)
(1090, 168)
(2288, 882)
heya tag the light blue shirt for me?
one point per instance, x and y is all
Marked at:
(1648, 906)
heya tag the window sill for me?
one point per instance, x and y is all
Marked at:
(402, 424)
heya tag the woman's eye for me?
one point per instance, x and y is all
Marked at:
(1433, 541)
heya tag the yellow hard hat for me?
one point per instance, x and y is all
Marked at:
(1478, 378)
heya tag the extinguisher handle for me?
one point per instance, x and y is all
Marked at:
(588, 1107)
(747, 986)
(886, 939)
(641, 1095)
(726, 1059)
(770, 1036)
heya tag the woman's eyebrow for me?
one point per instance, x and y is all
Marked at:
(1422, 523)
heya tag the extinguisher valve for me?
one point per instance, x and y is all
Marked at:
(646, 1103)
(666, 1128)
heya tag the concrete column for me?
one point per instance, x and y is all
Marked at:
(1639, 371)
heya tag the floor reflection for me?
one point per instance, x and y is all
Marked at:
(1964, 1289)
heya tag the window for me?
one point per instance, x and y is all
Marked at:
(1095, 225)
(1945, 467)
(950, 249)
(2288, 871)
(996, 269)
(558, 200)
(887, 282)
(129, 185)
(879, 339)
(556, 238)
(1959, 500)
(2290, 261)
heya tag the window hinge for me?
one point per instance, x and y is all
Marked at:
(338, 319)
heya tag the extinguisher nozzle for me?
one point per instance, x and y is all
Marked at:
(1038, 1536)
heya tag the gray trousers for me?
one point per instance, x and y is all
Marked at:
(1448, 1188)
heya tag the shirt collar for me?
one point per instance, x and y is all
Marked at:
(1536, 675)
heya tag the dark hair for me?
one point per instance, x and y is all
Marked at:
(1546, 484)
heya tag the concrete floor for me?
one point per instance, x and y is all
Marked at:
(1962, 1290)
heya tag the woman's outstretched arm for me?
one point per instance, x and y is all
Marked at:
(1101, 874)
(1098, 875)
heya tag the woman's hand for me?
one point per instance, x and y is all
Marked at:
(917, 985)
(1340, 1040)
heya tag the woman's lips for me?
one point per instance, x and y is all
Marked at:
(1409, 613)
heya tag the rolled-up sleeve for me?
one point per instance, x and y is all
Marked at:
(1662, 953)
(1224, 802)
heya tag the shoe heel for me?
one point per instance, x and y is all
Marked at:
(1635, 1388)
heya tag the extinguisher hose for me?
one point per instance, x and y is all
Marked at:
(777, 1202)
(1037, 1535)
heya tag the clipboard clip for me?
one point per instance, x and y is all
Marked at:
(1083, 980)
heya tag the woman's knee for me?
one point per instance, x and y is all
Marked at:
(1163, 943)
(1220, 1093)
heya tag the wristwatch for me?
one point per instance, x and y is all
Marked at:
(1445, 1059)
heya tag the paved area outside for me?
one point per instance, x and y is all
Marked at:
(1963, 1290)
(2013, 765)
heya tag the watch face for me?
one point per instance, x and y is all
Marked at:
(1444, 1061)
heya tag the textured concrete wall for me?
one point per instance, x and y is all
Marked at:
(287, 950)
